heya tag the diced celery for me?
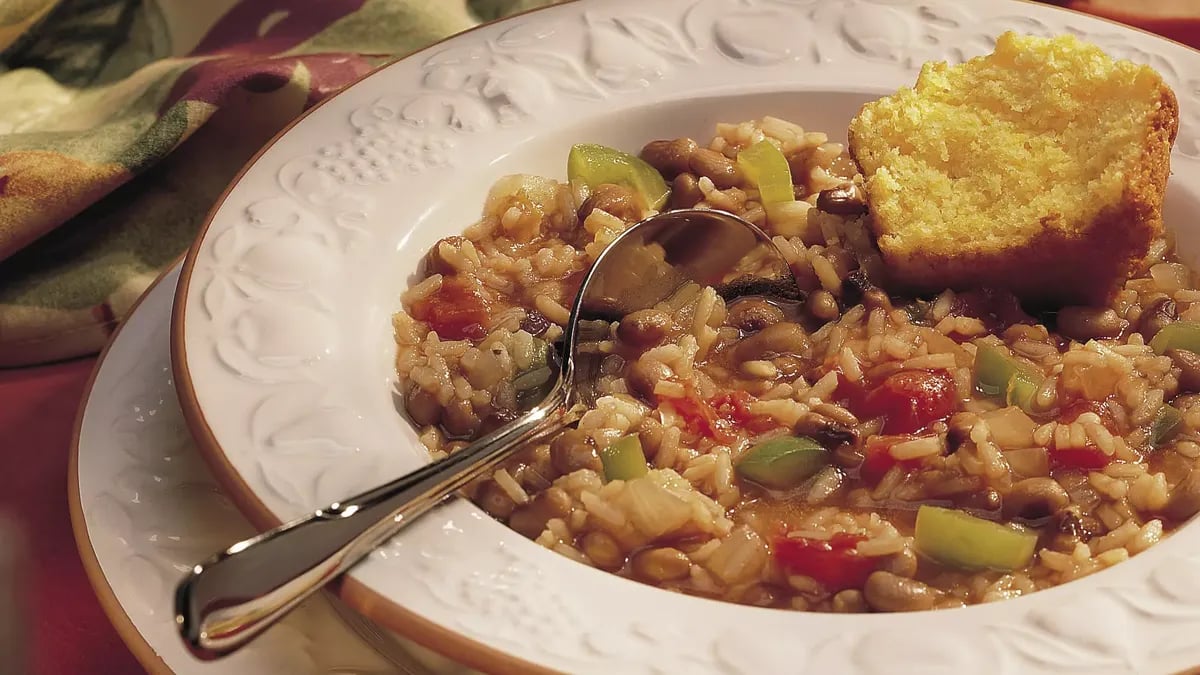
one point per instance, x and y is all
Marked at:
(961, 540)
(997, 373)
(624, 459)
(783, 463)
(1167, 424)
(598, 164)
(1178, 335)
(767, 169)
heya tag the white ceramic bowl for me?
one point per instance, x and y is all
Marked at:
(283, 347)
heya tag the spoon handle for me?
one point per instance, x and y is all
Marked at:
(226, 602)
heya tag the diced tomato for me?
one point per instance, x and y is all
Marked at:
(911, 400)
(455, 311)
(733, 405)
(734, 408)
(878, 459)
(1087, 458)
(700, 417)
(835, 563)
(721, 415)
(850, 394)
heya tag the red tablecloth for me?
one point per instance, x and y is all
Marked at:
(70, 634)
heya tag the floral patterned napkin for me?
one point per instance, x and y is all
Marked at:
(121, 122)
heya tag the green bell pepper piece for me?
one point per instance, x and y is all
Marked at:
(624, 459)
(997, 373)
(1167, 424)
(598, 164)
(1179, 335)
(767, 169)
(958, 539)
(783, 463)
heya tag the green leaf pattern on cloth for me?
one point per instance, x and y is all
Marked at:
(124, 120)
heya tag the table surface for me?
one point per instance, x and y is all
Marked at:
(69, 631)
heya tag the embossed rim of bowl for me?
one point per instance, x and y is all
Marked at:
(1043, 629)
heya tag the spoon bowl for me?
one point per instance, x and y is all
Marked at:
(226, 601)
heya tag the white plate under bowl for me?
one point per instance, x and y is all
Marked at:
(144, 509)
(284, 353)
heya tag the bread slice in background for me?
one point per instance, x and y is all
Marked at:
(1039, 168)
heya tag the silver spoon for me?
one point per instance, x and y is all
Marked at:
(225, 602)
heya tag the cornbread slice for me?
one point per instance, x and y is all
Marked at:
(1039, 168)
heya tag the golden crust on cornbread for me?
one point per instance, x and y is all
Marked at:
(1039, 168)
